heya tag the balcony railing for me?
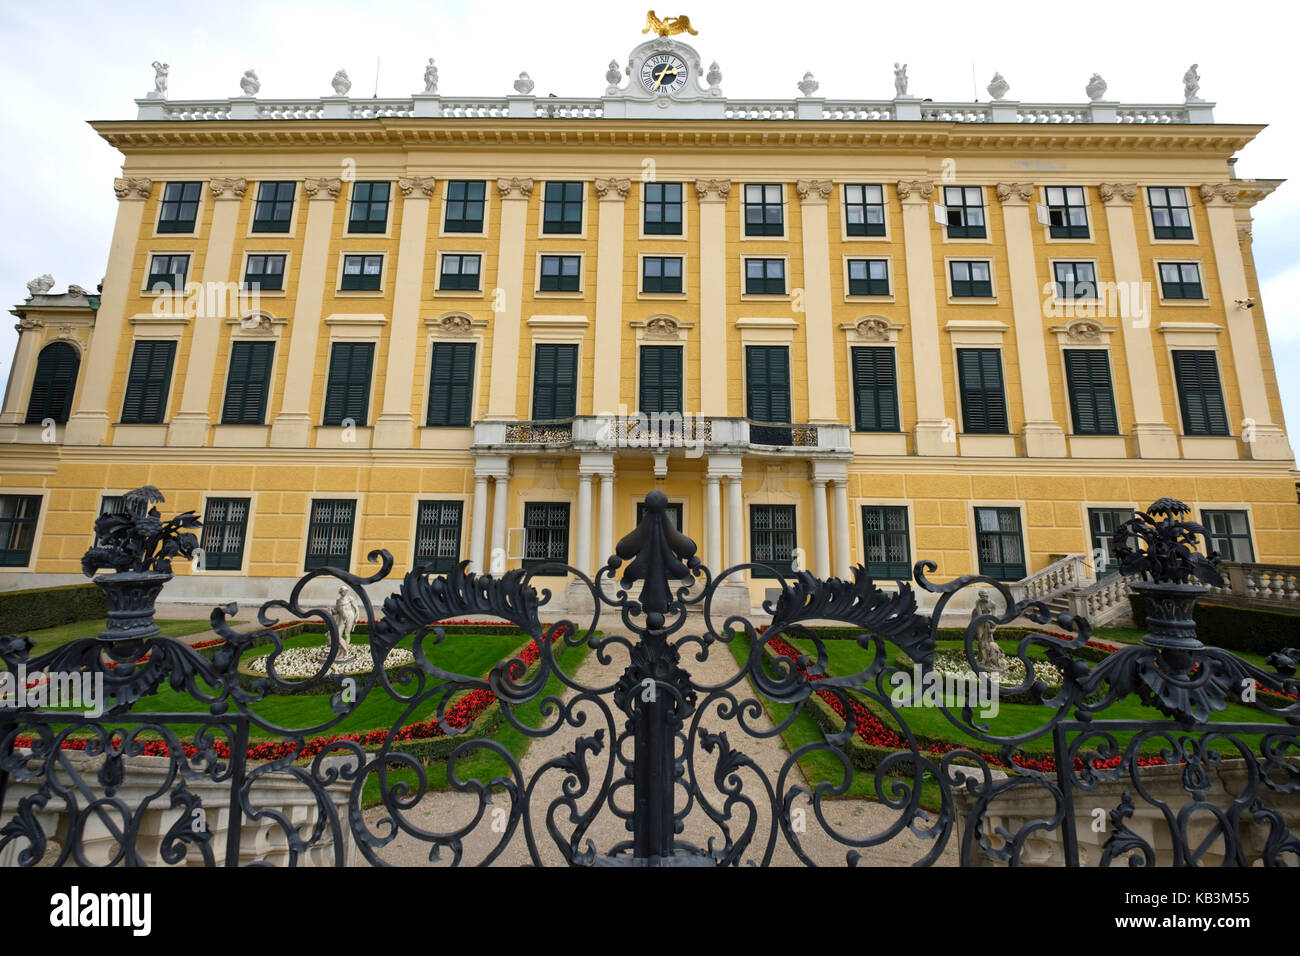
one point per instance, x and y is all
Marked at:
(663, 433)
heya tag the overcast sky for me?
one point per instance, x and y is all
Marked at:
(69, 62)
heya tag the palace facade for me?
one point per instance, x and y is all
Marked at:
(832, 332)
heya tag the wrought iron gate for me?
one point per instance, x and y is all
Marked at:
(667, 757)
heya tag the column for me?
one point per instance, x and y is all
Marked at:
(395, 428)
(818, 329)
(611, 199)
(500, 501)
(712, 195)
(22, 371)
(1153, 437)
(923, 321)
(190, 424)
(292, 427)
(1043, 435)
(478, 524)
(713, 523)
(843, 556)
(735, 522)
(606, 543)
(821, 536)
(515, 194)
(584, 523)
(88, 425)
(1266, 440)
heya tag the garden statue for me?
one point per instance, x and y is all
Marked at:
(345, 613)
(988, 656)
(900, 80)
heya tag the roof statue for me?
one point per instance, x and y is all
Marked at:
(668, 26)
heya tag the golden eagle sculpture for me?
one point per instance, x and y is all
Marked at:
(668, 25)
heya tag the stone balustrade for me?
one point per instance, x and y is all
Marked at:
(1264, 585)
(1103, 600)
(1044, 584)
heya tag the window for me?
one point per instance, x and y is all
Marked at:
(53, 384)
(369, 210)
(1092, 400)
(1067, 212)
(868, 277)
(555, 382)
(674, 512)
(18, 514)
(179, 208)
(875, 389)
(273, 211)
(1228, 533)
(1180, 280)
(264, 273)
(771, 539)
(1075, 280)
(562, 209)
(1170, 217)
(661, 274)
(464, 206)
(451, 384)
(329, 533)
(864, 210)
(560, 274)
(983, 404)
(1102, 523)
(147, 382)
(437, 535)
(661, 378)
(663, 209)
(347, 391)
(765, 277)
(971, 280)
(362, 273)
(964, 209)
(459, 272)
(546, 532)
(225, 526)
(764, 215)
(885, 542)
(167, 273)
(1200, 395)
(248, 383)
(1001, 551)
(767, 381)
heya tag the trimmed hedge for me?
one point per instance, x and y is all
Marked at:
(35, 608)
(1249, 629)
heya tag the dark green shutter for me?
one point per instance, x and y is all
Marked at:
(248, 383)
(875, 389)
(451, 384)
(147, 383)
(1200, 392)
(1092, 399)
(53, 384)
(347, 393)
(767, 374)
(555, 382)
(983, 402)
(661, 378)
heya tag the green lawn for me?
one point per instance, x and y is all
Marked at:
(48, 638)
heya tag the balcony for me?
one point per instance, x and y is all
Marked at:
(660, 434)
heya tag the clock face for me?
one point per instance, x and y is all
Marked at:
(663, 73)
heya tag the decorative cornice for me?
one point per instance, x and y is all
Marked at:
(924, 188)
(712, 190)
(1121, 192)
(323, 188)
(409, 184)
(236, 187)
(620, 187)
(141, 187)
(813, 190)
(1225, 192)
(1014, 194)
(515, 188)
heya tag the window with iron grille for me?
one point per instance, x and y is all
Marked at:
(273, 210)
(147, 382)
(964, 209)
(1102, 523)
(18, 514)
(864, 210)
(362, 273)
(248, 383)
(663, 209)
(264, 273)
(546, 532)
(868, 277)
(971, 279)
(1170, 216)
(1200, 392)
(560, 274)
(464, 205)
(1067, 212)
(459, 272)
(1092, 397)
(179, 208)
(764, 212)
(998, 540)
(555, 382)
(329, 533)
(765, 277)
(875, 389)
(661, 378)
(885, 542)
(369, 209)
(767, 383)
(437, 535)
(1181, 280)
(562, 208)
(983, 399)
(167, 273)
(661, 274)
(1228, 533)
(347, 389)
(53, 384)
(451, 385)
(225, 529)
(1075, 280)
(771, 539)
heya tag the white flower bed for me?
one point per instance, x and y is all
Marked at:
(302, 662)
(1013, 672)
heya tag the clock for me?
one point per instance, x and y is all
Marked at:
(663, 74)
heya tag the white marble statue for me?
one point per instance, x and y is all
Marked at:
(988, 655)
(345, 612)
(40, 285)
(998, 86)
(249, 83)
(524, 85)
(613, 76)
(1191, 84)
(900, 80)
(160, 71)
(1096, 87)
(430, 78)
(714, 76)
(341, 83)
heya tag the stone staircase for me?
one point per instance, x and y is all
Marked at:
(1066, 585)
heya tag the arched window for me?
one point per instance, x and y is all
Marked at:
(56, 378)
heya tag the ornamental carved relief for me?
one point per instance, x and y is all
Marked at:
(1228, 192)
(620, 187)
(323, 188)
(1084, 330)
(236, 187)
(810, 190)
(409, 184)
(712, 188)
(141, 187)
(1125, 191)
(1243, 233)
(1011, 192)
(873, 327)
(922, 187)
(662, 327)
(27, 324)
(457, 323)
(515, 188)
